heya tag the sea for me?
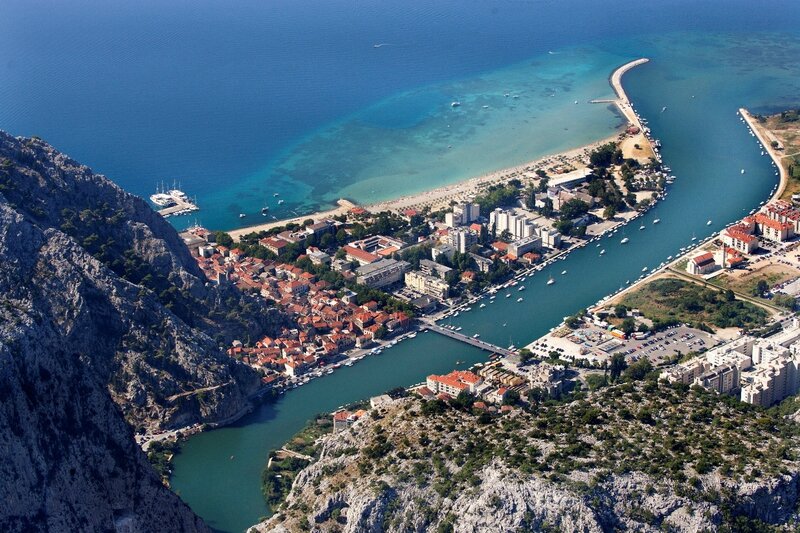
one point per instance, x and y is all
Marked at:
(321, 100)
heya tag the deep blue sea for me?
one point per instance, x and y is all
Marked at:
(239, 100)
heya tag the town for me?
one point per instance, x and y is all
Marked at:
(358, 283)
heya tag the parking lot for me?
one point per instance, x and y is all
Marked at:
(595, 345)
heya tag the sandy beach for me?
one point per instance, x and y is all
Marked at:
(441, 197)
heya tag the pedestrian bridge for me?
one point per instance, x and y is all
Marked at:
(472, 341)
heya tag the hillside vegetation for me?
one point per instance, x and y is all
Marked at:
(644, 456)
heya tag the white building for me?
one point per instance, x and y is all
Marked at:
(427, 284)
(461, 239)
(381, 273)
(462, 214)
(519, 226)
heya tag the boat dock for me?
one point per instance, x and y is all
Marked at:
(173, 202)
(472, 341)
(182, 206)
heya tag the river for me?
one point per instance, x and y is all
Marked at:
(701, 83)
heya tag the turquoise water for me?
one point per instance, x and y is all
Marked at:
(702, 81)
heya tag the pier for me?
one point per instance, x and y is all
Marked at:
(472, 341)
(182, 205)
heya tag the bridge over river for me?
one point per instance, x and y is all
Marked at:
(472, 341)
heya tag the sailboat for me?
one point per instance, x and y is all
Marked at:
(625, 238)
(551, 280)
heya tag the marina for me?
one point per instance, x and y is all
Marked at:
(173, 202)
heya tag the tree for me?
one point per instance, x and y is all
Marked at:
(617, 366)
(381, 333)
(525, 355)
(512, 398)
(223, 239)
(620, 311)
(761, 287)
(609, 212)
(574, 208)
(327, 241)
(638, 370)
(628, 326)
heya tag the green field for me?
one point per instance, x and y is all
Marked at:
(670, 300)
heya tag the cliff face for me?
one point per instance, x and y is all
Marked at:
(104, 319)
(617, 461)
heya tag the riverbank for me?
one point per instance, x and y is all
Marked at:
(760, 134)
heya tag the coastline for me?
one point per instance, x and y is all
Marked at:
(464, 190)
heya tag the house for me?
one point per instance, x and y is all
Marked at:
(454, 383)
(772, 229)
(361, 256)
(701, 264)
(344, 419)
(497, 395)
(273, 244)
(740, 238)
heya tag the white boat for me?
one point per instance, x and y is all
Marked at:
(275, 194)
(656, 221)
(641, 227)
(459, 328)
(521, 288)
(551, 281)
(508, 295)
(264, 211)
(476, 336)
(242, 215)
(519, 299)
(482, 305)
(708, 223)
(576, 101)
(742, 171)
(603, 251)
(624, 240)
(644, 269)
(280, 202)
(455, 104)
(486, 107)
(563, 272)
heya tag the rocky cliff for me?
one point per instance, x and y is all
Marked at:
(105, 324)
(630, 458)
